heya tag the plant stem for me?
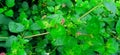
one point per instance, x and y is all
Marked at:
(26, 36)
(90, 10)
(36, 35)
(3, 37)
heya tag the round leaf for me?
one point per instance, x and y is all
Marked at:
(16, 27)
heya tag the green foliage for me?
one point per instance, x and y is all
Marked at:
(10, 3)
(4, 19)
(25, 5)
(118, 27)
(112, 46)
(110, 5)
(60, 27)
(1, 10)
(9, 13)
(15, 27)
(16, 45)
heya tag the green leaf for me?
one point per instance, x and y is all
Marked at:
(93, 26)
(40, 24)
(16, 45)
(68, 3)
(26, 23)
(45, 24)
(58, 32)
(50, 3)
(89, 51)
(59, 1)
(25, 5)
(118, 27)
(58, 41)
(21, 40)
(23, 20)
(100, 49)
(10, 41)
(98, 44)
(23, 15)
(104, 33)
(85, 45)
(110, 5)
(4, 20)
(28, 33)
(55, 18)
(70, 47)
(51, 8)
(70, 40)
(9, 13)
(10, 3)
(2, 10)
(97, 40)
(34, 9)
(112, 46)
(5, 8)
(34, 26)
(16, 27)
(58, 35)
(21, 52)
